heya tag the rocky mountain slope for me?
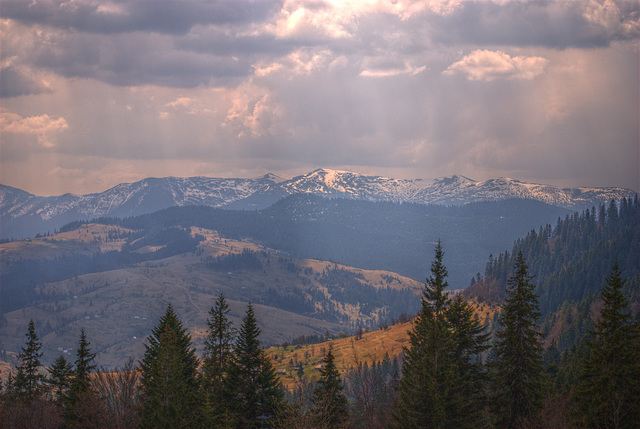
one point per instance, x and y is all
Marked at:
(24, 215)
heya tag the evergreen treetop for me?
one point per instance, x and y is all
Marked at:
(518, 382)
(60, 374)
(215, 364)
(28, 380)
(329, 401)
(85, 363)
(439, 382)
(169, 376)
(218, 343)
(252, 380)
(434, 295)
(608, 391)
(80, 392)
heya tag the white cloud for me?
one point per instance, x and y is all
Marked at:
(298, 20)
(253, 113)
(387, 72)
(607, 15)
(489, 65)
(302, 62)
(44, 127)
(339, 19)
(188, 105)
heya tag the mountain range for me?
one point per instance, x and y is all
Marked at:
(25, 215)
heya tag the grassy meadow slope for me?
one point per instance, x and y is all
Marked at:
(353, 350)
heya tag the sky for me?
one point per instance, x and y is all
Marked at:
(97, 93)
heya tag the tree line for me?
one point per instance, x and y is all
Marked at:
(453, 374)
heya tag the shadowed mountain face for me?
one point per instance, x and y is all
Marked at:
(25, 215)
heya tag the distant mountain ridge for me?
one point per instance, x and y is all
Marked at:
(23, 214)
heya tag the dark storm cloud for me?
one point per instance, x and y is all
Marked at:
(130, 43)
(16, 83)
(134, 59)
(539, 23)
(167, 17)
(194, 43)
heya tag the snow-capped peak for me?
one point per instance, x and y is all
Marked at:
(272, 177)
(19, 208)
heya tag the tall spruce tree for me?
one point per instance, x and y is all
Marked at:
(436, 386)
(169, 377)
(215, 364)
(80, 397)
(85, 364)
(252, 380)
(329, 404)
(470, 340)
(28, 381)
(608, 391)
(518, 371)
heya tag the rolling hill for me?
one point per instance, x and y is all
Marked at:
(119, 306)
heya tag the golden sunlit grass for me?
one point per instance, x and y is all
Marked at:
(348, 352)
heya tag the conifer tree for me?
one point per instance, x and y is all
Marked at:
(23, 403)
(469, 341)
(60, 374)
(168, 375)
(215, 365)
(85, 364)
(28, 380)
(80, 397)
(252, 380)
(518, 382)
(608, 391)
(434, 390)
(329, 402)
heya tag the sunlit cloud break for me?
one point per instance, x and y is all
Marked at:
(489, 65)
(43, 127)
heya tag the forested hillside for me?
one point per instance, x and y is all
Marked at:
(570, 263)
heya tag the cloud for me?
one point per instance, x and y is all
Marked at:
(253, 113)
(552, 24)
(20, 81)
(44, 127)
(220, 43)
(188, 105)
(123, 60)
(620, 22)
(489, 65)
(387, 67)
(164, 17)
